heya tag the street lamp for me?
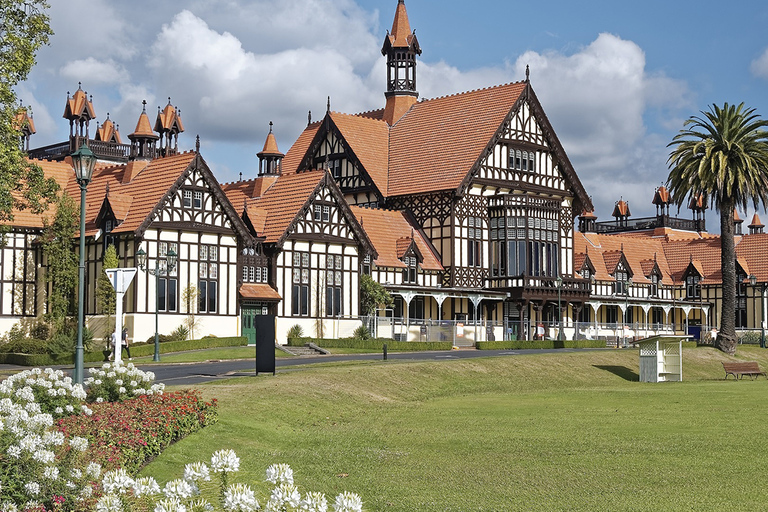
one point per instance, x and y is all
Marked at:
(559, 310)
(170, 259)
(83, 161)
(753, 282)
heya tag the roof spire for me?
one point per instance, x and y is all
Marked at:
(401, 48)
(328, 105)
(309, 117)
(527, 73)
(197, 144)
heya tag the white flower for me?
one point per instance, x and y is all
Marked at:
(69, 408)
(32, 488)
(279, 473)
(58, 410)
(121, 390)
(116, 481)
(197, 471)
(170, 505)
(314, 502)
(109, 503)
(51, 473)
(93, 470)
(225, 461)
(44, 456)
(348, 502)
(7, 506)
(285, 494)
(99, 399)
(79, 444)
(181, 489)
(145, 486)
(14, 451)
(240, 498)
(201, 504)
(86, 410)
(75, 473)
(118, 382)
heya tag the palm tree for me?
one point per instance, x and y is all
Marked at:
(722, 156)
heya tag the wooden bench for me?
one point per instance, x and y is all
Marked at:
(740, 369)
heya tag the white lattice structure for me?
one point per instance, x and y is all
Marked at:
(661, 358)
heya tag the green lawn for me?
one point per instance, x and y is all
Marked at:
(566, 431)
(210, 354)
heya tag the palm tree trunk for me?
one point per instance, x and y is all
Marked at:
(726, 338)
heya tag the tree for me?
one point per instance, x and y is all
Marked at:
(24, 28)
(373, 296)
(58, 242)
(190, 296)
(105, 292)
(722, 157)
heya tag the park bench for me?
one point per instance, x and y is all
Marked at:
(740, 369)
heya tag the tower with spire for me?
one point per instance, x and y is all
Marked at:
(143, 139)
(270, 158)
(401, 48)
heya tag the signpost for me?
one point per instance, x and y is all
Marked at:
(121, 279)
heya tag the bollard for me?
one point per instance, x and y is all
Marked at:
(385, 351)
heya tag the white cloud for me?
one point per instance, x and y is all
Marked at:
(93, 71)
(759, 66)
(597, 100)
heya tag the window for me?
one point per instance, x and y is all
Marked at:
(333, 285)
(409, 273)
(657, 316)
(167, 294)
(300, 290)
(318, 212)
(585, 315)
(334, 166)
(525, 241)
(208, 275)
(474, 242)
(187, 199)
(416, 309)
(611, 314)
(326, 213)
(522, 160)
(693, 286)
(367, 264)
(621, 286)
(654, 289)
(198, 199)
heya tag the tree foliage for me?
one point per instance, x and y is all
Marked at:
(58, 242)
(105, 292)
(373, 296)
(722, 156)
(24, 28)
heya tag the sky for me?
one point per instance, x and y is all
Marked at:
(616, 79)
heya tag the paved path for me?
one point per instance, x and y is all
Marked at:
(182, 374)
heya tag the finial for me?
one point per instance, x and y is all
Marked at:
(241, 175)
(309, 118)
(144, 107)
(197, 144)
(68, 96)
(107, 117)
(622, 246)
(527, 73)
(169, 100)
(270, 127)
(328, 105)
(79, 86)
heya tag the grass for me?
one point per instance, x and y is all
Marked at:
(566, 431)
(210, 354)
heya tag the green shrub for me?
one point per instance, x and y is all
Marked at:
(378, 344)
(541, 344)
(181, 333)
(362, 333)
(40, 330)
(748, 337)
(295, 331)
(25, 346)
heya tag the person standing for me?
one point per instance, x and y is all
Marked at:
(124, 342)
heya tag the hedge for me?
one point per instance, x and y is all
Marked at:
(373, 344)
(525, 344)
(136, 351)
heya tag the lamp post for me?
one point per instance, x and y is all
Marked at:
(170, 259)
(83, 161)
(763, 286)
(559, 310)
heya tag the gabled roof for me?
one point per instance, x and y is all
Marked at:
(437, 143)
(143, 129)
(108, 132)
(298, 150)
(23, 122)
(391, 232)
(639, 254)
(169, 120)
(259, 291)
(368, 139)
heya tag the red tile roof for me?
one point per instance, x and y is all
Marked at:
(438, 141)
(298, 150)
(62, 172)
(389, 230)
(640, 252)
(368, 138)
(78, 105)
(401, 35)
(260, 291)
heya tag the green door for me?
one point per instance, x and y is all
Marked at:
(247, 314)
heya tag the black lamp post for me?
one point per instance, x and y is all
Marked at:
(83, 161)
(753, 282)
(170, 260)
(559, 310)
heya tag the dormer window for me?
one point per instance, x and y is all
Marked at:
(621, 287)
(654, 289)
(409, 273)
(693, 286)
(586, 274)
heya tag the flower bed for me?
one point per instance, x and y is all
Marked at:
(127, 434)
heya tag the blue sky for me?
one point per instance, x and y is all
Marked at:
(616, 79)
